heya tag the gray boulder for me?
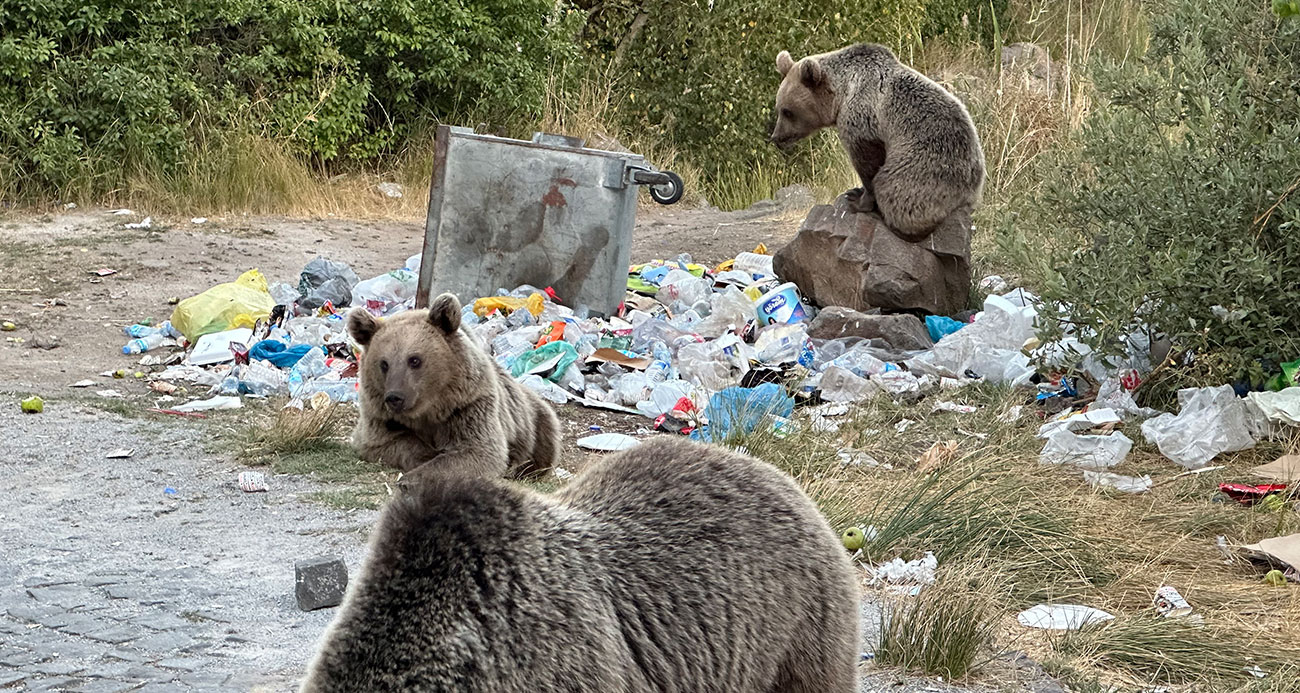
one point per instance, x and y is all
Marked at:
(903, 332)
(844, 258)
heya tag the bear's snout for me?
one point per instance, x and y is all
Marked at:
(394, 402)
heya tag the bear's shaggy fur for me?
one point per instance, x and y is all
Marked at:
(911, 142)
(432, 400)
(673, 566)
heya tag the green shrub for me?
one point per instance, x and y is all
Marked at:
(1179, 205)
(701, 74)
(91, 92)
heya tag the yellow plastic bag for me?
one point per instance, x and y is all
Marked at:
(240, 303)
(507, 304)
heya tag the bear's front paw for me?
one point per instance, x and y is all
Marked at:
(860, 200)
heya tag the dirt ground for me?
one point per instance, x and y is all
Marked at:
(117, 584)
(49, 288)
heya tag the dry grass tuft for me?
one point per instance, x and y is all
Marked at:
(295, 432)
(1177, 651)
(946, 630)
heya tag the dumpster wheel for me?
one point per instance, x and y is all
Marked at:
(669, 192)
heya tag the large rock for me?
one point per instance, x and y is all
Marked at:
(850, 259)
(902, 331)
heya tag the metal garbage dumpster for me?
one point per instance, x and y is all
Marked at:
(550, 212)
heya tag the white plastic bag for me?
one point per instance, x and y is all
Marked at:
(1090, 452)
(841, 385)
(383, 294)
(715, 365)
(1212, 420)
(990, 346)
(731, 309)
(1061, 616)
(1119, 482)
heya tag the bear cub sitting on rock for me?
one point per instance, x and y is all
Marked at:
(433, 401)
(673, 566)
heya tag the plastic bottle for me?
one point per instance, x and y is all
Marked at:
(661, 368)
(753, 263)
(136, 346)
(138, 331)
(229, 386)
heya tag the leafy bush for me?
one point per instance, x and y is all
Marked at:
(1180, 201)
(90, 92)
(701, 74)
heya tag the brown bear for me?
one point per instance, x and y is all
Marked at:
(911, 142)
(673, 566)
(432, 399)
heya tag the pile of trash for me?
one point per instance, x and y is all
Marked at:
(248, 338)
(706, 352)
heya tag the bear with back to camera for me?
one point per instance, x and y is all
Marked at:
(673, 566)
(911, 142)
(432, 400)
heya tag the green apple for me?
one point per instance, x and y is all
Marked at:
(853, 538)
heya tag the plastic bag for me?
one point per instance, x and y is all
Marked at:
(1089, 452)
(680, 285)
(326, 281)
(842, 385)
(741, 410)
(240, 303)
(547, 389)
(550, 361)
(508, 305)
(277, 352)
(781, 343)
(380, 295)
(990, 346)
(1125, 484)
(716, 364)
(1212, 420)
(940, 326)
(284, 294)
(731, 310)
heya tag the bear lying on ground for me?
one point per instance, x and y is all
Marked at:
(673, 566)
(432, 400)
(912, 143)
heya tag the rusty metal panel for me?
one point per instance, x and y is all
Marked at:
(505, 212)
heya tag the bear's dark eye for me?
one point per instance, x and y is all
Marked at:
(787, 113)
(414, 362)
(383, 366)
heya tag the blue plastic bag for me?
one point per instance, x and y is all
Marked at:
(941, 326)
(741, 410)
(280, 355)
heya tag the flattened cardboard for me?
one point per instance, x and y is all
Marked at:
(1284, 469)
(619, 358)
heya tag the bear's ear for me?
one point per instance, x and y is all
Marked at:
(362, 325)
(784, 62)
(444, 313)
(811, 73)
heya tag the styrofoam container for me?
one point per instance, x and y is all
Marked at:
(215, 347)
(781, 305)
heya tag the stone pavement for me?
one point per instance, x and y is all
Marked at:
(107, 583)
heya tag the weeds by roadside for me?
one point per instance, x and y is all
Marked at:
(312, 442)
(1004, 524)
